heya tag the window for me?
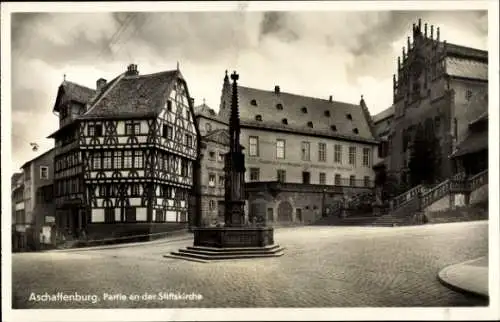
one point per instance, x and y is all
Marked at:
(211, 155)
(254, 146)
(167, 132)
(138, 163)
(258, 117)
(298, 214)
(355, 130)
(96, 160)
(337, 153)
(253, 102)
(211, 205)
(304, 110)
(208, 127)
(281, 175)
(279, 106)
(184, 168)
(107, 161)
(254, 174)
(127, 164)
(352, 181)
(284, 121)
(306, 177)
(352, 155)
(337, 180)
(220, 157)
(130, 214)
(349, 116)
(135, 190)
(211, 180)
(310, 124)
(366, 157)
(322, 178)
(322, 152)
(44, 172)
(366, 181)
(109, 215)
(306, 151)
(91, 130)
(327, 113)
(437, 122)
(169, 105)
(118, 162)
(468, 94)
(189, 140)
(334, 128)
(132, 128)
(222, 181)
(280, 149)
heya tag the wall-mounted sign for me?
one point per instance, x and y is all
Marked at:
(50, 219)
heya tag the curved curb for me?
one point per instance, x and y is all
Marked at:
(460, 284)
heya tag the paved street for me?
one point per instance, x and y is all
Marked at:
(322, 267)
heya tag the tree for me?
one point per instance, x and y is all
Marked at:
(422, 165)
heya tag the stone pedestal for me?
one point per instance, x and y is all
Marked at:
(228, 237)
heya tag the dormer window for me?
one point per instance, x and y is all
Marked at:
(284, 121)
(304, 110)
(327, 113)
(253, 102)
(258, 117)
(334, 128)
(310, 124)
(355, 130)
(349, 116)
(279, 106)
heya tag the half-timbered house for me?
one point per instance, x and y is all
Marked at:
(135, 143)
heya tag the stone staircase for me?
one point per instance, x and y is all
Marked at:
(406, 208)
(208, 254)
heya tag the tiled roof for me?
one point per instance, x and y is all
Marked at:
(78, 93)
(462, 67)
(457, 50)
(204, 110)
(475, 142)
(132, 96)
(384, 114)
(220, 136)
(308, 114)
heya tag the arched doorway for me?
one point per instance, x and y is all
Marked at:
(285, 211)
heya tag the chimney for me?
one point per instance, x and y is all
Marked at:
(132, 70)
(432, 31)
(276, 89)
(192, 101)
(101, 82)
(437, 34)
(330, 99)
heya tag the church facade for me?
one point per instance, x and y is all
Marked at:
(440, 88)
(124, 155)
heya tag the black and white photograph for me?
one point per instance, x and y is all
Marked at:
(305, 160)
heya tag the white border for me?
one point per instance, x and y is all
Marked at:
(491, 312)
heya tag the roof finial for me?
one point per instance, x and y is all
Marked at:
(177, 65)
(204, 101)
(64, 77)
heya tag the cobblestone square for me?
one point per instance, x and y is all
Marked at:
(322, 267)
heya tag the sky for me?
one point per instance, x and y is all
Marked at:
(323, 53)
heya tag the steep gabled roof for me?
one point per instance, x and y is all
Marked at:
(220, 136)
(132, 96)
(291, 111)
(465, 52)
(388, 112)
(205, 110)
(70, 91)
(463, 67)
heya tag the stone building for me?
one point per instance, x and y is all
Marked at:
(214, 143)
(18, 217)
(439, 87)
(35, 213)
(303, 154)
(124, 155)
